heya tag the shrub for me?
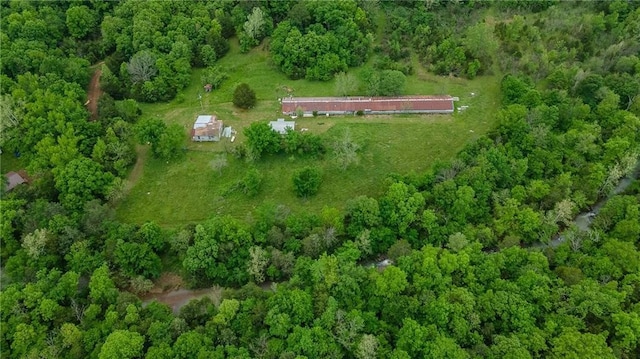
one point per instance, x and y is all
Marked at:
(244, 96)
(251, 183)
(306, 181)
(215, 76)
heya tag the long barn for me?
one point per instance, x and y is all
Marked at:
(368, 105)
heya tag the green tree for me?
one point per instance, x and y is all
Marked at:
(35, 243)
(148, 130)
(572, 344)
(72, 339)
(627, 330)
(391, 282)
(244, 97)
(79, 181)
(137, 259)
(209, 57)
(258, 263)
(261, 139)
(101, 286)
(170, 144)
(385, 83)
(220, 251)
(587, 89)
(23, 339)
(81, 21)
(152, 234)
(214, 76)
(367, 347)
(400, 206)
(346, 84)
(481, 42)
(128, 109)
(362, 213)
(306, 182)
(251, 183)
(345, 151)
(288, 308)
(189, 344)
(122, 344)
(142, 67)
(255, 25)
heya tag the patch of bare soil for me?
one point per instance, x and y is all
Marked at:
(94, 93)
(168, 289)
(167, 282)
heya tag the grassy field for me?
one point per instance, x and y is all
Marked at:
(9, 162)
(188, 190)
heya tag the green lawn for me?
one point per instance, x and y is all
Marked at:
(188, 190)
(9, 162)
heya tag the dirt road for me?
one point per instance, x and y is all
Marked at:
(94, 93)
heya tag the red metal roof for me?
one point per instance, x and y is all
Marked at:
(353, 104)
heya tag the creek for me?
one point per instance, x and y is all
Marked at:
(583, 220)
(178, 298)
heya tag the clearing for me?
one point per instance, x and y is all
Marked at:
(188, 190)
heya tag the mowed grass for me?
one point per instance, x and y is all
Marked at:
(188, 190)
(9, 162)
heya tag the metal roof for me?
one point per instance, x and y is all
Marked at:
(353, 104)
(281, 125)
(203, 120)
(207, 125)
(14, 179)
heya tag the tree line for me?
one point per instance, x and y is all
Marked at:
(461, 285)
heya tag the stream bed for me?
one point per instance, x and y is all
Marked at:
(178, 298)
(584, 219)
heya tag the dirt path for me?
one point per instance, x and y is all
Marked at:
(168, 289)
(94, 93)
(138, 168)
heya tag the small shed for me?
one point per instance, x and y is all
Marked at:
(206, 128)
(281, 126)
(15, 179)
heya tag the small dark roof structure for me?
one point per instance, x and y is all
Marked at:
(373, 105)
(15, 179)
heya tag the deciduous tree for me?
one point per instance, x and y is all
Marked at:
(345, 151)
(142, 67)
(79, 181)
(81, 21)
(244, 97)
(170, 144)
(261, 139)
(257, 263)
(254, 26)
(218, 163)
(346, 84)
(306, 182)
(101, 287)
(122, 344)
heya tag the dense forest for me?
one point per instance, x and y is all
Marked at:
(478, 270)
